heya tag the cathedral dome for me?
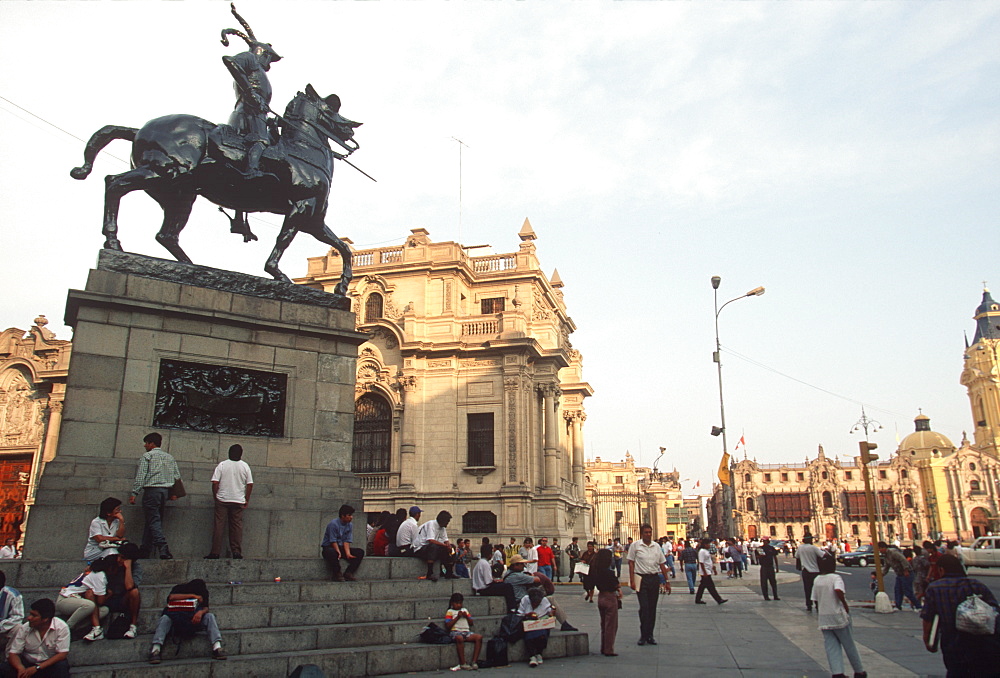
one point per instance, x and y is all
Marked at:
(923, 442)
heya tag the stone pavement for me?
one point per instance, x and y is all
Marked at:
(747, 636)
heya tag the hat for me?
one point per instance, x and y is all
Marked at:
(516, 558)
(808, 539)
(414, 510)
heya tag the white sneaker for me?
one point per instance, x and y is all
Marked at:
(533, 662)
(132, 631)
(539, 658)
(96, 633)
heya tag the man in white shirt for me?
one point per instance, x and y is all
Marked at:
(706, 567)
(9, 549)
(485, 584)
(530, 554)
(431, 545)
(645, 558)
(807, 557)
(41, 643)
(232, 483)
(407, 532)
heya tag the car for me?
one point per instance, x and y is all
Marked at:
(984, 552)
(862, 557)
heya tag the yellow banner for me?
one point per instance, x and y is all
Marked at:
(724, 469)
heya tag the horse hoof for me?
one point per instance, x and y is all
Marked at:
(113, 245)
(81, 172)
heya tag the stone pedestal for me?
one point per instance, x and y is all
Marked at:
(139, 311)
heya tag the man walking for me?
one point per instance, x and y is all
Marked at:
(645, 558)
(894, 558)
(767, 558)
(232, 484)
(706, 567)
(807, 559)
(689, 561)
(155, 476)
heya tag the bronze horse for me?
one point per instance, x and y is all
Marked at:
(176, 158)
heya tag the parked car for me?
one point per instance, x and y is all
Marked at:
(984, 552)
(862, 557)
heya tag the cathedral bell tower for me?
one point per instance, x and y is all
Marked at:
(981, 376)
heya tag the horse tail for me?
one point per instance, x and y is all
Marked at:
(98, 141)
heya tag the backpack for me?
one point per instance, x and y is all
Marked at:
(975, 616)
(511, 627)
(435, 635)
(496, 653)
(118, 626)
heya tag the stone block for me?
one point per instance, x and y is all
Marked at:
(304, 342)
(136, 408)
(336, 368)
(316, 614)
(294, 453)
(147, 344)
(379, 610)
(354, 635)
(303, 362)
(204, 298)
(255, 308)
(109, 340)
(106, 282)
(256, 667)
(149, 289)
(331, 456)
(149, 321)
(262, 357)
(303, 314)
(340, 663)
(332, 397)
(92, 314)
(269, 338)
(332, 426)
(208, 347)
(273, 640)
(232, 332)
(415, 658)
(140, 376)
(343, 592)
(127, 444)
(93, 406)
(182, 325)
(97, 371)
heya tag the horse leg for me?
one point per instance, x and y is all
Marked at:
(176, 212)
(281, 243)
(116, 187)
(325, 235)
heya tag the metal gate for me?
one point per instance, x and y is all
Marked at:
(617, 515)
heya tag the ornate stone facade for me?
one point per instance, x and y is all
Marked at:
(469, 394)
(624, 496)
(33, 368)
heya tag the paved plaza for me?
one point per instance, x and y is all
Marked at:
(747, 636)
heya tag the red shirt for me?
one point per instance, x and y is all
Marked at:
(544, 555)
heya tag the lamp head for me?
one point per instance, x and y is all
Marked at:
(716, 280)
(755, 292)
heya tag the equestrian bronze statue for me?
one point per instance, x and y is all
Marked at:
(176, 158)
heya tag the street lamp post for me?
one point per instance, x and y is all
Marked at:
(728, 491)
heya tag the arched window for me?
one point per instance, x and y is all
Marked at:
(982, 413)
(907, 501)
(824, 475)
(372, 434)
(789, 532)
(750, 504)
(904, 474)
(746, 477)
(827, 500)
(772, 531)
(373, 307)
(974, 486)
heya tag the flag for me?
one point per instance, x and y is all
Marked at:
(742, 442)
(724, 469)
(697, 484)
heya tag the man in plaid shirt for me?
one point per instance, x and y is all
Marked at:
(155, 477)
(964, 654)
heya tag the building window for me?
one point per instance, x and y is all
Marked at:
(619, 480)
(773, 532)
(619, 515)
(800, 476)
(907, 501)
(480, 439)
(972, 466)
(749, 503)
(827, 500)
(824, 475)
(479, 522)
(373, 307)
(784, 477)
(903, 474)
(848, 475)
(494, 305)
(746, 477)
(789, 532)
(767, 477)
(974, 486)
(855, 530)
(372, 434)
(882, 475)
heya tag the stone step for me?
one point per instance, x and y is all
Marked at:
(28, 574)
(369, 660)
(266, 640)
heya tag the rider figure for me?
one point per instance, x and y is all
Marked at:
(253, 92)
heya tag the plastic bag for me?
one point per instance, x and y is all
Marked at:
(974, 615)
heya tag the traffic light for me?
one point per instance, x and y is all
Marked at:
(866, 454)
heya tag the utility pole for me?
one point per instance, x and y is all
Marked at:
(867, 457)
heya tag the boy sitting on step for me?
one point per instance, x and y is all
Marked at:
(457, 621)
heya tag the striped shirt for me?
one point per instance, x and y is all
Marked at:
(156, 469)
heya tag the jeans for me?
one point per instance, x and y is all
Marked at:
(838, 641)
(904, 587)
(737, 568)
(546, 570)
(333, 558)
(691, 572)
(208, 624)
(670, 565)
(618, 567)
(462, 570)
(648, 595)
(154, 500)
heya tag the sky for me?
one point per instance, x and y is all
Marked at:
(845, 156)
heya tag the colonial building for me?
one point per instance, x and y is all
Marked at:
(624, 496)
(470, 396)
(33, 367)
(927, 488)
